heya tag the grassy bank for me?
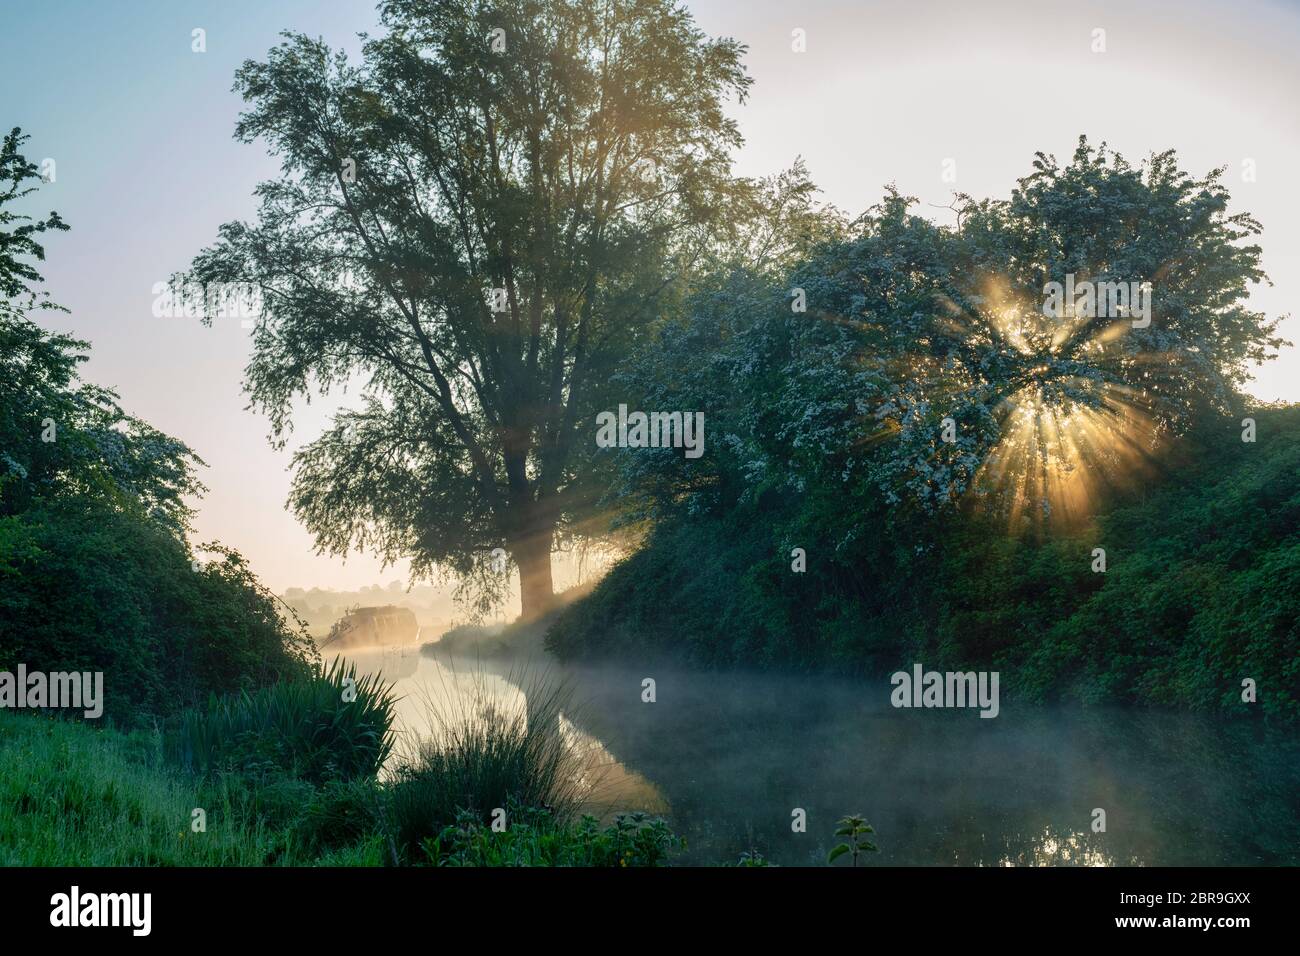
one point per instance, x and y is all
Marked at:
(1201, 589)
(74, 795)
(296, 785)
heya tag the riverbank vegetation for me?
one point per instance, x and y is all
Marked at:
(96, 571)
(76, 794)
(224, 741)
(908, 459)
(332, 725)
(1201, 590)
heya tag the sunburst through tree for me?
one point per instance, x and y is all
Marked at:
(1042, 353)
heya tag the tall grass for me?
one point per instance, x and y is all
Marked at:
(71, 795)
(331, 726)
(479, 756)
(75, 795)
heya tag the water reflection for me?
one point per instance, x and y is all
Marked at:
(728, 757)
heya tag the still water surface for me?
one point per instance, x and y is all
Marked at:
(727, 758)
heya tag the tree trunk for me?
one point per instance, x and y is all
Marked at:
(536, 590)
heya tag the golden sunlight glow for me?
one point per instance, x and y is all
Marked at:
(1058, 458)
(1055, 463)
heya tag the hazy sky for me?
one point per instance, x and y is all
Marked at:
(139, 127)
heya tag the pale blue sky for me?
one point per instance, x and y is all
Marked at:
(140, 129)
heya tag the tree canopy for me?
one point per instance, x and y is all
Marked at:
(475, 223)
(926, 365)
(830, 524)
(19, 233)
(59, 435)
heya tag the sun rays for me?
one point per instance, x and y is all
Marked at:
(1056, 462)
(1069, 433)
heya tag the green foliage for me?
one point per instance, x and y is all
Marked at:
(583, 185)
(535, 837)
(308, 729)
(73, 795)
(340, 814)
(856, 829)
(1200, 590)
(95, 571)
(720, 612)
(479, 757)
(64, 438)
(909, 323)
(76, 795)
(18, 233)
(59, 435)
(825, 435)
(87, 586)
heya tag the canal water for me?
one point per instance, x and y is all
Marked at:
(730, 759)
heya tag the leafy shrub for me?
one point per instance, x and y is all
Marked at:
(95, 570)
(341, 813)
(92, 587)
(535, 837)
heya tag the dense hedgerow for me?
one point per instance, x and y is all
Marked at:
(898, 404)
(1202, 589)
(88, 586)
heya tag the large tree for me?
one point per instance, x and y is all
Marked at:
(1049, 405)
(929, 367)
(475, 223)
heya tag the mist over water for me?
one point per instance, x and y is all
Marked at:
(727, 757)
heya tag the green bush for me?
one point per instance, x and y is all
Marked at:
(1202, 588)
(91, 587)
(96, 573)
(308, 728)
(342, 813)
